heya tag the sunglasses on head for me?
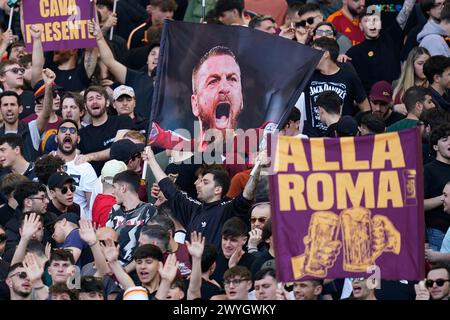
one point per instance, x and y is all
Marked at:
(22, 275)
(260, 220)
(16, 70)
(439, 282)
(2, 237)
(72, 130)
(65, 189)
(302, 23)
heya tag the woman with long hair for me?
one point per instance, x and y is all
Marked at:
(412, 73)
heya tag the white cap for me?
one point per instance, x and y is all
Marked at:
(110, 169)
(123, 90)
(135, 293)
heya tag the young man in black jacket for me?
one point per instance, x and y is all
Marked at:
(211, 211)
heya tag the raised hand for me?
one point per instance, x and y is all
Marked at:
(87, 232)
(32, 267)
(148, 154)
(155, 190)
(197, 245)
(301, 34)
(35, 32)
(168, 272)
(30, 225)
(49, 76)
(235, 257)
(422, 292)
(48, 250)
(255, 237)
(287, 32)
(95, 30)
(110, 251)
(111, 21)
(7, 38)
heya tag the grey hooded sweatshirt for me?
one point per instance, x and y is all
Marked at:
(432, 38)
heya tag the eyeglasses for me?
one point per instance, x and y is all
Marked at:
(439, 282)
(302, 23)
(357, 279)
(260, 220)
(43, 198)
(65, 189)
(2, 237)
(235, 282)
(72, 130)
(22, 275)
(16, 70)
(324, 33)
(439, 4)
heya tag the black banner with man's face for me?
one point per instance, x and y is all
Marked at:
(214, 77)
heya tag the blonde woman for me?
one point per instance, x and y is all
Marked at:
(412, 75)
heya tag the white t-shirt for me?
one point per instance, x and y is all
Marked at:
(85, 178)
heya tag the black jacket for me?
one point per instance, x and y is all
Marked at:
(207, 218)
(13, 235)
(29, 153)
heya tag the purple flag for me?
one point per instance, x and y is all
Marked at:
(348, 207)
(64, 23)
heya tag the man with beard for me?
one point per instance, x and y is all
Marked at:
(217, 91)
(11, 107)
(97, 137)
(378, 56)
(84, 176)
(346, 20)
(19, 283)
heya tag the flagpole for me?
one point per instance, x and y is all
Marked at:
(112, 28)
(10, 17)
(203, 11)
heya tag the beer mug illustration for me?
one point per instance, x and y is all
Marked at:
(322, 234)
(356, 227)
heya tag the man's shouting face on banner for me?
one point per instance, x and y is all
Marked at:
(217, 90)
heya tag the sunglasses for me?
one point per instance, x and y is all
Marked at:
(260, 220)
(324, 33)
(302, 23)
(22, 275)
(65, 189)
(439, 282)
(2, 237)
(16, 70)
(72, 130)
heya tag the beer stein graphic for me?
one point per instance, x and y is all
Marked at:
(356, 231)
(365, 238)
(321, 244)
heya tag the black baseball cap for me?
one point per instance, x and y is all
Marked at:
(69, 216)
(125, 149)
(58, 180)
(91, 284)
